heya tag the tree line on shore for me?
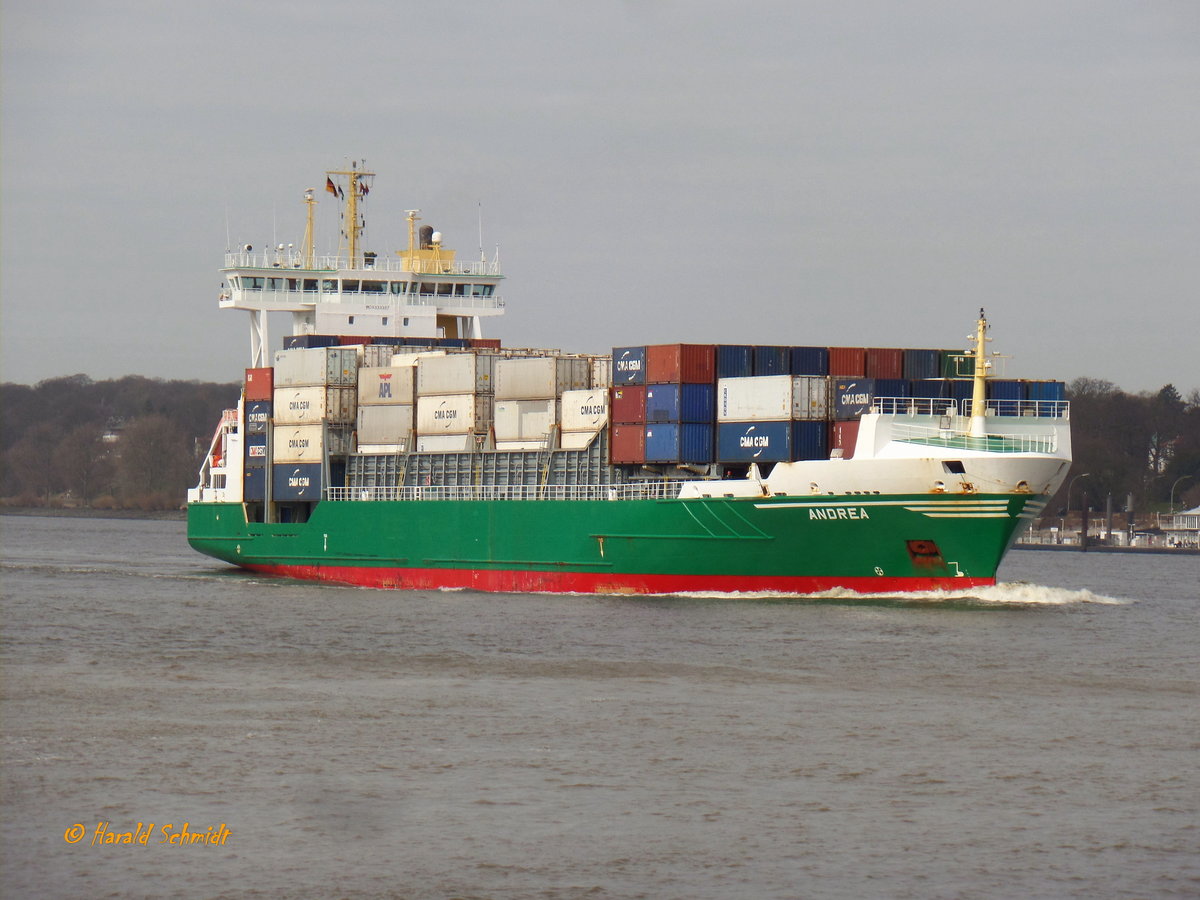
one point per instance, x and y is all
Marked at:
(138, 443)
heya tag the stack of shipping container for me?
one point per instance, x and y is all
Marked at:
(528, 398)
(455, 401)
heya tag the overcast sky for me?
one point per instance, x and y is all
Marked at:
(842, 173)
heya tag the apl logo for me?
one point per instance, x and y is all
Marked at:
(385, 386)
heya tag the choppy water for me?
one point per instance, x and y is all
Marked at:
(1037, 739)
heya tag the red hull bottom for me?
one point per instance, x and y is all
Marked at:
(517, 581)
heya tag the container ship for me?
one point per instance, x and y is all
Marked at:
(388, 443)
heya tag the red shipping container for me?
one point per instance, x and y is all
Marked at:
(628, 444)
(885, 362)
(681, 363)
(850, 361)
(628, 404)
(347, 339)
(843, 437)
(483, 343)
(260, 384)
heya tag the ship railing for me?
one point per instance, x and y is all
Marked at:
(291, 259)
(997, 442)
(941, 406)
(651, 490)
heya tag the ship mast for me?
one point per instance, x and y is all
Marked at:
(979, 389)
(311, 204)
(356, 188)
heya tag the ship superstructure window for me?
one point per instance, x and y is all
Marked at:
(349, 285)
(274, 284)
(310, 285)
(252, 283)
(398, 287)
(372, 287)
(329, 286)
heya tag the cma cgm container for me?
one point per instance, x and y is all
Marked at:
(254, 483)
(540, 378)
(317, 365)
(919, 364)
(852, 397)
(298, 444)
(680, 363)
(305, 341)
(767, 398)
(256, 449)
(679, 403)
(454, 413)
(386, 385)
(628, 365)
(584, 410)
(627, 444)
(455, 373)
(679, 442)
(849, 362)
(771, 442)
(810, 361)
(260, 383)
(734, 361)
(258, 416)
(296, 481)
(314, 403)
(884, 362)
(629, 404)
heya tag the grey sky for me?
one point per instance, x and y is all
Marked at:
(859, 173)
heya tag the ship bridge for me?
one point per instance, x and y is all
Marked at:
(423, 291)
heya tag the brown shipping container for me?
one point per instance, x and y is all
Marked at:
(483, 343)
(843, 437)
(628, 444)
(628, 404)
(681, 363)
(260, 384)
(848, 361)
(885, 362)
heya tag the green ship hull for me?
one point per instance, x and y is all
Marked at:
(794, 545)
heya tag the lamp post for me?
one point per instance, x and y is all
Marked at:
(1175, 485)
(1071, 486)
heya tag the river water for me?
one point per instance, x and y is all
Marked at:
(1037, 739)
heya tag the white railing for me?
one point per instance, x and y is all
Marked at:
(290, 260)
(939, 406)
(1009, 442)
(656, 490)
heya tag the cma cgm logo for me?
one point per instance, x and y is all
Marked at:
(853, 395)
(598, 409)
(385, 386)
(754, 440)
(629, 364)
(296, 480)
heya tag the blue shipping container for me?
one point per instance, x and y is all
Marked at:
(961, 390)
(674, 442)
(852, 397)
(760, 442)
(892, 387)
(258, 414)
(735, 360)
(254, 484)
(628, 365)
(930, 387)
(809, 360)
(292, 341)
(296, 481)
(922, 364)
(1007, 396)
(680, 403)
(1051, 393)
(772, 360)
(256, 449)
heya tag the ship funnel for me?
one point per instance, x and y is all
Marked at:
(426, 236)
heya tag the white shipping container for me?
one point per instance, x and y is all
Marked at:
(297, 443)
(454, 413)
(377, 355)
(410, 359)
(520, 445)
(601, 372)
(810, 397)
(772, 398)
(384, 424)
(383, 448)
(455, 373)
(443, 443)
(315, 403)
(524, 420)
(303, 366)
(540, 378)
(576, 440)
(584, 410)
(386, 386)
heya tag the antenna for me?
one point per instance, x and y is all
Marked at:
(482, 258)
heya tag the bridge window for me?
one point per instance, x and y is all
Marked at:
(372, 287)
(398, 287)
(329, 286)
(274, 284)
(310, 285)
(350, 286)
